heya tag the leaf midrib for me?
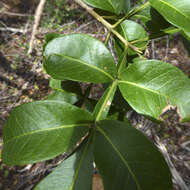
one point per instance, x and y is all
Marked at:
(124, 32)
(177, 10)
(79, 166)
(120, 156)
(147, 89)
(84, 63)
(106, 100)
(47, 129)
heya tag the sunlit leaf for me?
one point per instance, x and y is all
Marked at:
(114, 6)
(79, 57)
(174, 11)
(63, 96)
(151, 87)
(133, 31)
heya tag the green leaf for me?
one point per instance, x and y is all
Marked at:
(113, 6)
(152, 86)
(133, 31)
(128, 160)
(119, 49)
(66, 86)
(64, 91)
(41, 130)
(153, 21)
(55, 84)
(79, 57)
(63, 96)
(72, 174)
(175, 12)
(103, 106)
(49, 37)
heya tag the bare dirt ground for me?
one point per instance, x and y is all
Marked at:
(22, 79)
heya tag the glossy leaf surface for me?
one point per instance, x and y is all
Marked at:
(128, 160)
(62, 91)
(63, 96)
(66, 86)
(174, 11)
(103, 106)
(51, 36)
(72, 174)
(133, 31)
(41, 130)
(114, 6)
(152, 86)
(79, 57)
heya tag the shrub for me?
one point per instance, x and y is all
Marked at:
(124, 157)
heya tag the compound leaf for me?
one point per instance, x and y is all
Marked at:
(175, 12)
(72, 174)
(127, 159)
(79, 57)
(41, 130)
(152, 86)
(113, 6)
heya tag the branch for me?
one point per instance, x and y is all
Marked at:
(23, 31)
(14, 14)
(107, 25)
(38, 14)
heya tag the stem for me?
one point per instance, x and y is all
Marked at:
(87, 93)
(101, 110)
(110, 17)
(107, 38)
(137, 9)
(131, 13)
(107, 25)
(167, 31)
(123, 61)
